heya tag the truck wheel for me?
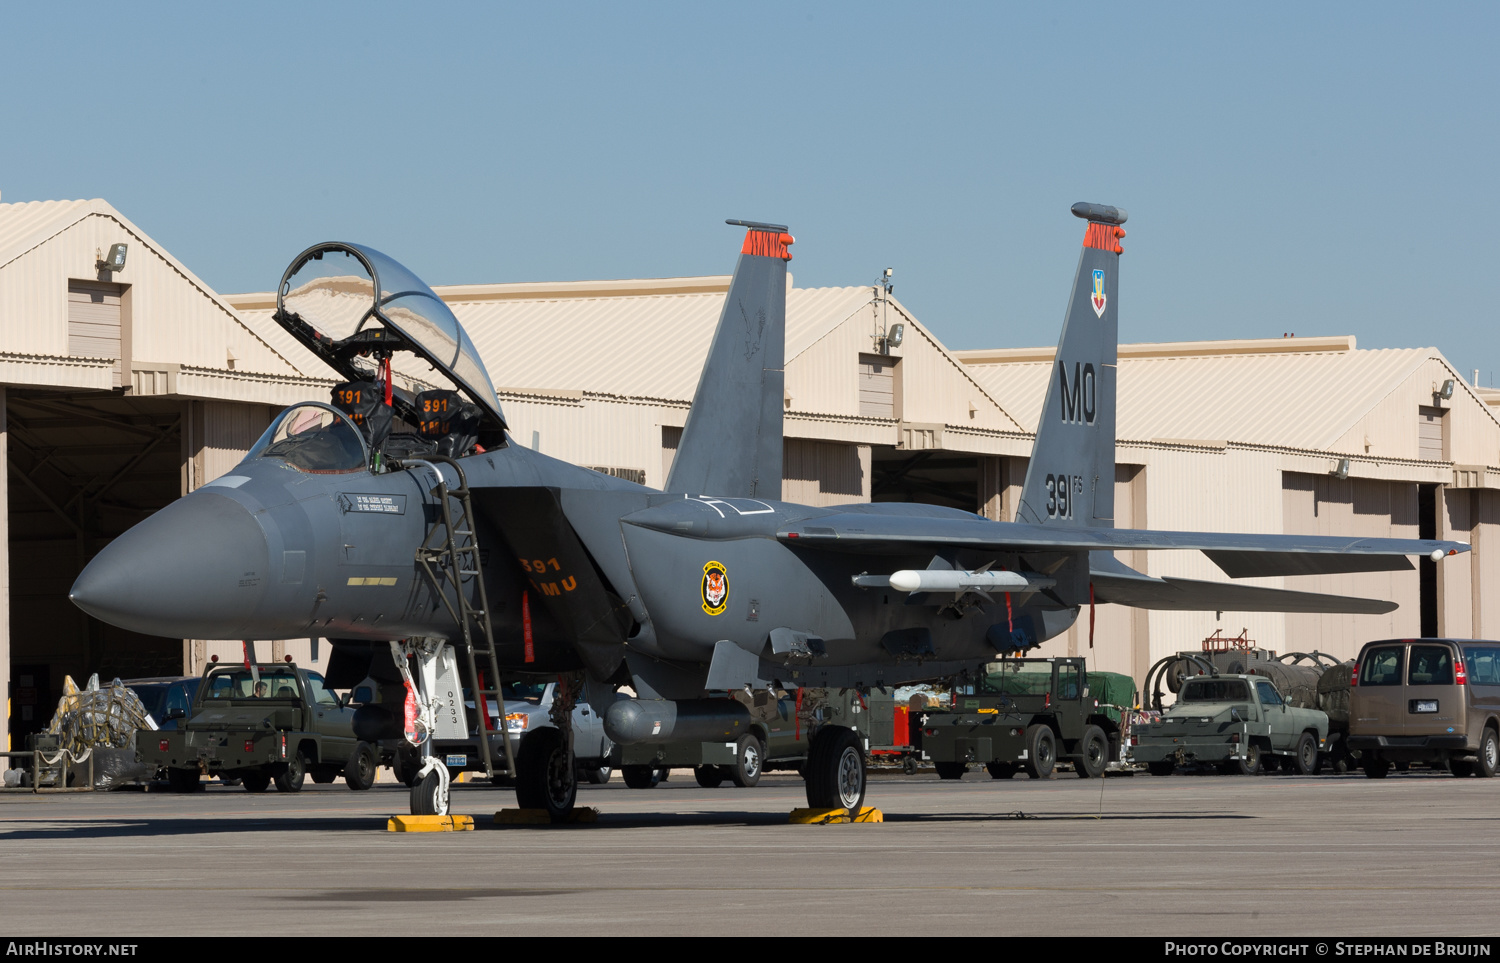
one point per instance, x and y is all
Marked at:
(1001, 770)
(950, 770)
(709, 777)
(597, 775)
(545, 774)
(1460, 767)
(835, 770)
(1041, 751)
(1488, 759)
(641, 777)
(182, 780)
(1248, 766)
(1093, 754)
(1163, 767)
(290, 779)
(428, 797)
(360, 770)
(1305, 757)
(1375, 768)
(255, 781)
(406, 766)
(749, 756)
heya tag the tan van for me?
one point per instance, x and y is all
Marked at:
(1435, 701)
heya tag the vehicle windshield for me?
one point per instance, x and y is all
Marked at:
(531, 692)
(1215, 690)
(331, 289)
(1017, 678)
(314, 438)
(238, 682)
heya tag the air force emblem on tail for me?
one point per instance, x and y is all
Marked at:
(1098, 298)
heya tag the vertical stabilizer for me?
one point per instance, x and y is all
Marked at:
(732, 442)
(1071, 477)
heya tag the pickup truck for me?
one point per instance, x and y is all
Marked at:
(1236, 722)
(263, 723)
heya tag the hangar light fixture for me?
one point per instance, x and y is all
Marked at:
(1447, 391)
(895, 334)
(115, 259)
(1342, 471)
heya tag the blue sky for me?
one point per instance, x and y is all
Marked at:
(1322, 169)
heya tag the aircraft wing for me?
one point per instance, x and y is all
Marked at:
(1116, 582)
(1239, 555)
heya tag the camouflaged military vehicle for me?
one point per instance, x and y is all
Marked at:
(1236, 722)
(263, 723)
(1026, 714)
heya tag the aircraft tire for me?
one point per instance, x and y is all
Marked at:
(545, 775)
(835, 770)
(597, 775)
(428, 797)
(709, 777)
(1093, 754)
(360, 770)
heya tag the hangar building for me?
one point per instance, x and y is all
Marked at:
(126, 389)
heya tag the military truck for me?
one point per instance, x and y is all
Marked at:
(1026, 714)
(262, 723)
(1235, 722)
(782, 723)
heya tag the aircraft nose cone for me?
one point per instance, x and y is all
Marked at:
(196, 569)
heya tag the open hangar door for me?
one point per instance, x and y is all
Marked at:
(987, 485)
(82, 468)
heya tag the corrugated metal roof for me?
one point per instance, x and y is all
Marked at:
(23, 226)
(1289, 400)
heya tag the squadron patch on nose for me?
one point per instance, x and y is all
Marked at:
(714, 588)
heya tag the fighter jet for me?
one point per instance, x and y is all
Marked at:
(408, 528)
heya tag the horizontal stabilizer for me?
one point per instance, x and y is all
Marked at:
(1262, 564)
(1190, 595)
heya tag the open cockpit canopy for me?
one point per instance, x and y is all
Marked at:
(354, 307)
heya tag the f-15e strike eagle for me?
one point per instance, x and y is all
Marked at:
(412, 532)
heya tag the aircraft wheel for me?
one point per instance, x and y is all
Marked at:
(182, 780)
(290, 779)
(1001, 770)
(1093, 753)
(255, 781)
(641, 777)
(1041, 754)
(598, 775)
(835, 770)
(709, 777)
(429, 797)
(360, 770)
(545, 776)
(749, 756)
(950, 770)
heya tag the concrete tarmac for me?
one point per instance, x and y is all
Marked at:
(1412, 855)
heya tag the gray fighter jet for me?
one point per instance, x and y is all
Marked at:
(411, 531)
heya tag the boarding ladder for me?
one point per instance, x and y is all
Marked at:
(449, 555)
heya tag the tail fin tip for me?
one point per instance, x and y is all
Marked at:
(1103, 213)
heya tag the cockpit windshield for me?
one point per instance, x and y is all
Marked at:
(332, 289)
(315, 438)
